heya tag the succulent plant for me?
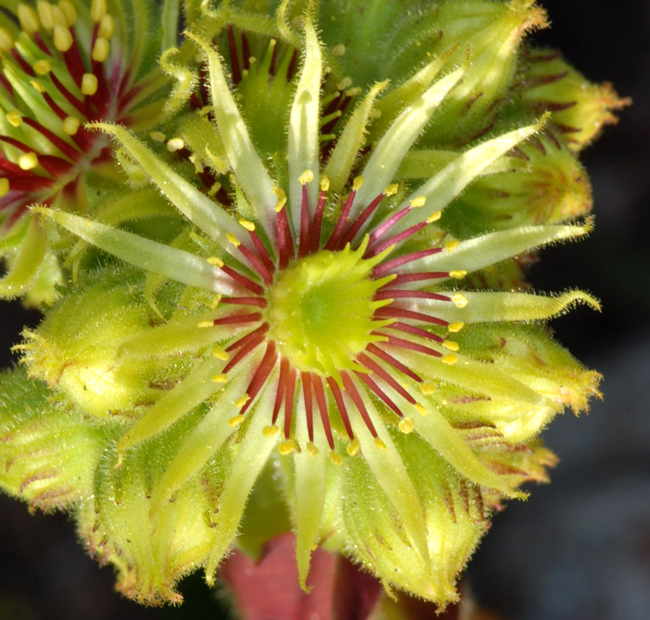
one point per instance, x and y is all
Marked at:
(303, 305)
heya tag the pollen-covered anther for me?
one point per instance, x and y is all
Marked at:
(89, 84)
(28, 161)
(312, 450)
(418, 202)
(282, 198)
(42, 67)
(62, 38)
(306, 177)
(70, 125)
(427, 388)
(357, 184)
(101, 50)
(449, 359)
(353, 447)
(220, 378)
(421, 409)
(232, 239)
(175, 144)
(459, 300)
(215, 261)
(28, 19)
(271, 431)
(452, 245)
(336, 458)
(248, 225)
(324, 184)
(98, 9)
(287, 447)
(106, 27)
(15, 118)
(219, 353)
(458, 274)
(406, 425)
(451, 345)
(380, 444)
(236, 421)
(455, 327)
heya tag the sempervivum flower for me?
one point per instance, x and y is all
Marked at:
(63, 65)
(330, 337)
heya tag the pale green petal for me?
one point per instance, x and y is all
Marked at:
(380, 170)
(472, 375)
(497, 306)
(26, 264)
(442, 437)
(389, 469)
(254, 452)
(179, 337)
(251, 174)
(309, 490)
(169, 21)
(303, 149)
(149, 255)
(193, 204)
(441, 189)
(493, 248)
(347, 147)
(189, 393)
(205, 440)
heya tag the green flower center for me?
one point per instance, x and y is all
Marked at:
(321, 311)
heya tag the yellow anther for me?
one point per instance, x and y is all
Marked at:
(216, 261)
(44, 10)
(380, 444)
(270, 431)
(98, 9)
(101, 49)
(158, 136)
(15, 118)
(175, 144)
(37, 86)
(69, 11)
(391, 190)
(357, 184)
(406, 425)
(434, 217)
(240, 402)
(427, 388)
(106, 27)
(421, 409)
(62, 38)
(324, 184)
(312, 450)
(205, 324)
(336, 458)
(458, 274)
(6, 40)
(27, 18)
(220, 378)
(236, 421)
(353, 447)
(454, 328)
(282, 198)
(450, 345)
(71, 125)
(212, 192)
(286, 447)
(236, 242)
(219, 353)
(4, 186)
(344, 83)
(449, 359)
(338, 50)
(248, 225)
(306, 177)
(215, 302)
(89, 84)
(28, 161)
(452, 245)
(42, 67)
(59, 18)
(418, 202)
(459, 300)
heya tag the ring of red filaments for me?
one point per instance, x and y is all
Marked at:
(110, 102)
(378, 378)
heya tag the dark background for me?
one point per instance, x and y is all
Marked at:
(579, 548)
